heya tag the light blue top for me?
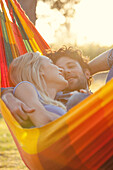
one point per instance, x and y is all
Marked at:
(51, 108)
(110, 75)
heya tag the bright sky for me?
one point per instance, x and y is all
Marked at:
(93, 22)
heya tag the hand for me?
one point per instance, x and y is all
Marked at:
(18, 109)
(85, 91)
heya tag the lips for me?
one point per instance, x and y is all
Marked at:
(61, 75)
(70, 78)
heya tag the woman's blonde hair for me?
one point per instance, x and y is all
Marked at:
(27, 68)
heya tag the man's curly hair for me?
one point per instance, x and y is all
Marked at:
(70, 52)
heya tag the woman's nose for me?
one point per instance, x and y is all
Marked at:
(61, 70)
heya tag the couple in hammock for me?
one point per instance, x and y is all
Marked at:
(38, 82)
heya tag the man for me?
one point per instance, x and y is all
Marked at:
(76, 71)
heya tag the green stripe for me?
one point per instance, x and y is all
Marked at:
(8, 52)
(28, 47)
(23, 33)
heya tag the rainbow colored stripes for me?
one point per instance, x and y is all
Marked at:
(17, 36)
(82, 139)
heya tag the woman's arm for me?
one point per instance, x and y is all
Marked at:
(27, 94)
(101, 62)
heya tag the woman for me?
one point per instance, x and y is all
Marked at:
(37, 81)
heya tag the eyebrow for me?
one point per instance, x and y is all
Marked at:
(70, 63)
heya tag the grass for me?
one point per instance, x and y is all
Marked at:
(9, 155)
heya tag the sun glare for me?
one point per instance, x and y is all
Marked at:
(7, 10)
(92, 22)
(48, 21)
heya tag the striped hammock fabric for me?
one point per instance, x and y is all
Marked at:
(17, 36)
(82, 139)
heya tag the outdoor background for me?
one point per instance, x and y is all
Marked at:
(86, 24)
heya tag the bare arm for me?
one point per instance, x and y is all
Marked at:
(100, 63)
(17, 107)
(27, 94)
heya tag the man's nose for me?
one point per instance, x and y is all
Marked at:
(66, 72)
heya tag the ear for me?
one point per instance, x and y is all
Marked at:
(87, 73)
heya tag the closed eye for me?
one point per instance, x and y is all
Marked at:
(72, 66)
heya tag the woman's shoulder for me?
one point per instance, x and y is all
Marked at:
(26, 84)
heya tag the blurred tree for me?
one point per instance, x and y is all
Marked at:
(66, 7)
(29, 6)
(92, 50)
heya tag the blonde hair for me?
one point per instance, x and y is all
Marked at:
(27, 68)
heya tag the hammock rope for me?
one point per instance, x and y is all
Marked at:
(83, 137)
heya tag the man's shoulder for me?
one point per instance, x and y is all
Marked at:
(64, 94)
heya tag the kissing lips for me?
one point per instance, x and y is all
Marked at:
(70, 79)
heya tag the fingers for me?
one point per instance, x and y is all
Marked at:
(18, 114)
(83, 91)
(20, 120)
(24, 123)
(27, 109)
(22, 117)
(27, 124)
(22, 114)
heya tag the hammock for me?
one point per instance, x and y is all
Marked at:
(81, 139)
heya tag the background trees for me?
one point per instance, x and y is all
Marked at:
(67, 10)
(66, 7)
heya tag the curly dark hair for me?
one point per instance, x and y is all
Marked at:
(70, 52)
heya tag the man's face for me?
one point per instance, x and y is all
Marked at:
(73, 73)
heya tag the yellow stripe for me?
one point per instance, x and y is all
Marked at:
(27, 138)
(45, 136)
(10, 35)
(34, 45)
(54, 131)
(28, 31)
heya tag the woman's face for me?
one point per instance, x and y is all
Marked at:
(53, 75)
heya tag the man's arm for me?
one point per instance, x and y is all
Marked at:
(103, 62)
(17, 107)
(28, 94)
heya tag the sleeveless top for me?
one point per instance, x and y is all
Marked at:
(49, 107)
